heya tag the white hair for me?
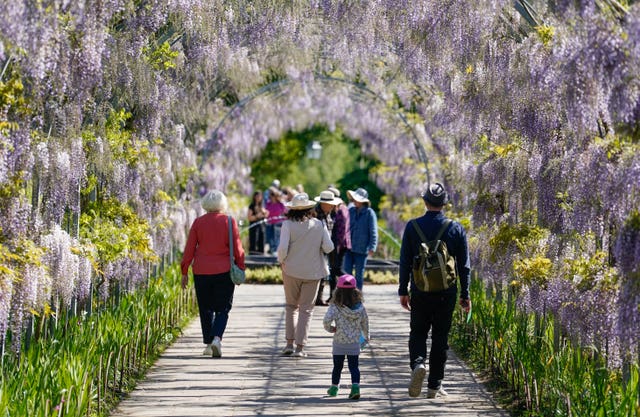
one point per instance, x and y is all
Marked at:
(214, 200)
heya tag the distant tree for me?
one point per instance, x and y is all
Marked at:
(342, 163)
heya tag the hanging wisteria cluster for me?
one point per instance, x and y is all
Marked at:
(116, 114)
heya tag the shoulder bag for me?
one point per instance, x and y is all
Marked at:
(237, 275)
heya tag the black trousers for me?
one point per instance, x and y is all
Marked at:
(431, 312)
(256, 238)
(215, 297)
(335, 268)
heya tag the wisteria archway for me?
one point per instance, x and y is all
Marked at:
(297, 103)
(105, 107)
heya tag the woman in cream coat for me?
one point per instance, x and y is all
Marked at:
(304, 241)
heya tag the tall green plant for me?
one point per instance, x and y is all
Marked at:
(85, 366)
(546, 377)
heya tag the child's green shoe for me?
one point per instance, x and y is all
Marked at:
(332, 391)
(355, 392)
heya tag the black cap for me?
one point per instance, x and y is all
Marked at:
(435, 195)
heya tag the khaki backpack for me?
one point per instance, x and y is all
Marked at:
(434, 269)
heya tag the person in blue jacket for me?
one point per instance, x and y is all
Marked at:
(364, 235)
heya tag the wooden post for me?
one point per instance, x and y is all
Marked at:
(35, 194)
(527, 391)
(2, 350)
(28, 333)
(90, 300)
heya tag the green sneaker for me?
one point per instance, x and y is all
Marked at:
(332, 391)
(355, 392)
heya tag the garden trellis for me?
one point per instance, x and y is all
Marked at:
(106, 109)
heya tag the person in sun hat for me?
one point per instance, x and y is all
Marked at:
(341, 237)
(363, 225)
(325, 212)
(347, 319)
(432, 311)
(303, 241)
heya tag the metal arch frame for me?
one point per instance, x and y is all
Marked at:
(275, 85)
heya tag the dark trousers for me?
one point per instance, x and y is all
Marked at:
(338, 364)
(335, 268)
(215, 297)
(431, 312)
(256, 237)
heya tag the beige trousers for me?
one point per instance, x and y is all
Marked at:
(300, 297)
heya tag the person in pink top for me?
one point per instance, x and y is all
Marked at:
(276, 209)
(207, 253)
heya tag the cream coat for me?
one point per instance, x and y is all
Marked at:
(302, 249)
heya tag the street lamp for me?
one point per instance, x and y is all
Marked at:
(314, 150)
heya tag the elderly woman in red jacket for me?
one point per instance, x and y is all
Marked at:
(207, 252)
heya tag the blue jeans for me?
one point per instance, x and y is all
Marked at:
(358, 260)
(276, 235)
(273, 236)
(269, 235)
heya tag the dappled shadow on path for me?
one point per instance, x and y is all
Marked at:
(253, 379)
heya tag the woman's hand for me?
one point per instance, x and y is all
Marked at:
(185, 281)
(465, 304)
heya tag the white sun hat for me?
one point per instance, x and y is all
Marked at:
(300, 201)
(360, 195)
(328, 197)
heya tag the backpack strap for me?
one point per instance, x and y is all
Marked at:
(445, 225)
(443, 229)
(230, 241)
(419, 231)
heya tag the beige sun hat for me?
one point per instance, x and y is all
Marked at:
(360, 195)
(300, 201)
(328, 197)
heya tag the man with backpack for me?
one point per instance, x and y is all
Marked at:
(434, 251)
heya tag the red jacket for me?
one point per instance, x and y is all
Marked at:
(208, 245)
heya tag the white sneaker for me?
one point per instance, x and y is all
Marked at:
(417, 378)
(300, 353)
(207, 350)
(433, 393)
(216, 348)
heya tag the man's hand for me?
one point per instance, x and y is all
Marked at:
(465, 304)
(185, 281)
(404, 302)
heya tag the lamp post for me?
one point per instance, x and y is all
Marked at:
(314, 150)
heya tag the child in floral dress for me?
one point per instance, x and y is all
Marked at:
(347, 318)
